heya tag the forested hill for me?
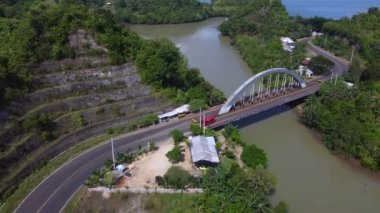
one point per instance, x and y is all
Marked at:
(161, 11)
(256, 28)
(349, 118)
(362, 32)
(69, 67)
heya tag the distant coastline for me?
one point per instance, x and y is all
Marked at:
(334, 9)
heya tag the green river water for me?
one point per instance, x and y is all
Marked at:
(310, 178)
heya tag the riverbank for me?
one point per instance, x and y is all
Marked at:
(300, 161)
(352, 163)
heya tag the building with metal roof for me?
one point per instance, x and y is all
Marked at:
(175, 112)
(203, 151)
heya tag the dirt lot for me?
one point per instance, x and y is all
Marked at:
(145, 169)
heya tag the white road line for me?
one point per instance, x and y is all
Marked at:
(80, 155)
(151, 136)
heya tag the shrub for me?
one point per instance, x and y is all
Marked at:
(160, 181)
(152, 146)
(177, 177)
(253, 156)
(108, 179)
(195, 129)
(229, 154)
(110, 130)
(100, 110)
(231, 133)
(175, 155)
(117, 111)
(124, 158)
(218, 146)
(281, 207)
(177, 136)
(197, 104)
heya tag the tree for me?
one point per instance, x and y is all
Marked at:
(108, 179)
(253, 156)
(152, 146)
(281, 207)
(231, 133)
(177, 136)
(320, 65)
(195, 129)
(197, 104)
(175, 155)
(177, 177)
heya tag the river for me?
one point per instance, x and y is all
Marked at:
(310, 178)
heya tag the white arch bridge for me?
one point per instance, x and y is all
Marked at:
(262, 86)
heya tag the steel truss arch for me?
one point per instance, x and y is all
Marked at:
(231, 100)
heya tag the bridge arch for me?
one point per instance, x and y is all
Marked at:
(236, 95)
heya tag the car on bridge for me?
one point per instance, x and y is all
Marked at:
(209, 120)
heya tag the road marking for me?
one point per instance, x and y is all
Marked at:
(128, 144)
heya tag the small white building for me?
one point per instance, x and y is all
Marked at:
(316, 34)
(348, 84)
(304, 71)
(203, 151)
(287, 44)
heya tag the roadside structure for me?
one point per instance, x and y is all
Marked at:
(180, 110)
(203, 151)
(287, 44)
(304, 71)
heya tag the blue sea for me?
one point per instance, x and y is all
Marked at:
(335, 9)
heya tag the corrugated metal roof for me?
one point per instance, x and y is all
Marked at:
(203, 148)
(176, 111)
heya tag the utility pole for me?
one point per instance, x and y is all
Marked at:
(324, 44)
(200, 118)
(352, 54)
(336, 78)
(331, 77)
(113, 154)
(204, 122)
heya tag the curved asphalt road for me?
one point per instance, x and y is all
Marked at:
(55, 191)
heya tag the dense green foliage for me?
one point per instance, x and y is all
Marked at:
(320, 65)
(362, 32)
(257, 27)
(195, 129)
(349, 119)
(197, 104)
(144, 121)
(230, 188)
(161, 11)
(177, 178)
(253, 156)
(177, 136)
(232, 135)
(45, 31)
(160, 64)
(175, 155)
(43, 34)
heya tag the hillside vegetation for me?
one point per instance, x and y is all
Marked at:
(71, 71)
(161, 11)
(361, 32)
(349, 119)
(256, 28)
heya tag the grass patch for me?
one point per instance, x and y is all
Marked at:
(85, 201)
(180, 203)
